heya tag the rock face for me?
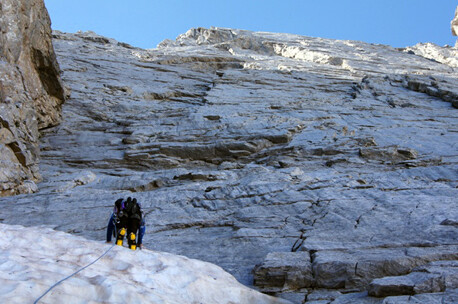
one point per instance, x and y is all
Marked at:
(284, 270)
(31, 91)
(454, 23)
(329, 164)
(356, 268)
(432, 278)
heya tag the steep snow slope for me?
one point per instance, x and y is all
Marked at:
(327, 163)
(33, 259)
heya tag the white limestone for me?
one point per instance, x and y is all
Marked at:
(240, 144)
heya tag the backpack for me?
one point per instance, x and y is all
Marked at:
(133, 209)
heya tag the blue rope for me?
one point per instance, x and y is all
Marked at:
(81, 269)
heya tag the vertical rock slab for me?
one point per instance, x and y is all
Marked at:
(284, 271)
(454, 26)
(454, 23)
(31, 91)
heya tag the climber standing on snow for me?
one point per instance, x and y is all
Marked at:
(128, 219)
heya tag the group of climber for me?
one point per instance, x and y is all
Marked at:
(126, 220)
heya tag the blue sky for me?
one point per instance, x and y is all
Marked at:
(145, 23)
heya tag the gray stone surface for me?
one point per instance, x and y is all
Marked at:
(430, 278)
(293, 297)
(356, 268)
(415, 282)
(240, 144)
(284, 271)
(321, 295)
(448, 297)
(447, 269)
(356, 297)
(31, 92)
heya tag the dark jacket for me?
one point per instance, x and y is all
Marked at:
(111, 230)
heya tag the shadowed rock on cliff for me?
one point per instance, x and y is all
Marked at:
(31, 92)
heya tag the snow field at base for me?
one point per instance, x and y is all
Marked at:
(33, 259)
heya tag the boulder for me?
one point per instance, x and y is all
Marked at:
(448, 297)
(323, 295)
(284, 270)
(31, 91)
(356, 268)
(431, 278)
(406, 285)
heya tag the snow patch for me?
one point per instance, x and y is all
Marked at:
(33, 259)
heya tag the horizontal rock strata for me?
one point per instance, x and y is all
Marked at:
(432, 278)
(348, 269)
(311, 158)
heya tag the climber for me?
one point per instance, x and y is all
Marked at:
(111, 231)
(128, 219)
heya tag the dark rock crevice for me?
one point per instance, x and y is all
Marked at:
(443, 90)
(49, 73)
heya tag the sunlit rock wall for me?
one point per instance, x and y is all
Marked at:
(454, 25)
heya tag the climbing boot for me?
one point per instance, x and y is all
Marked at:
(133, 243)
(120, 237)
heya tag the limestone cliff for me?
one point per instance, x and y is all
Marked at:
(31, 91)
(329, 164)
